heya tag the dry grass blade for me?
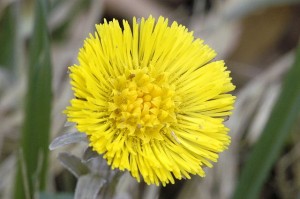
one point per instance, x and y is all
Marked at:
(7, 175)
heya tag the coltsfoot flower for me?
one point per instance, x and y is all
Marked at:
(150, 100)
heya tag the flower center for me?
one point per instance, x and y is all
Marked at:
(142, 105)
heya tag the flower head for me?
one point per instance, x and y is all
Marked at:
(150, 100)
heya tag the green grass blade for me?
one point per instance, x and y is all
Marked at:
(35, 136)
(8, 36)
(268, 147)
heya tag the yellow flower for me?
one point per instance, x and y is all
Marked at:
(150, 101)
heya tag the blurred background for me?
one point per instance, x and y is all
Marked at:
(256, 38)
